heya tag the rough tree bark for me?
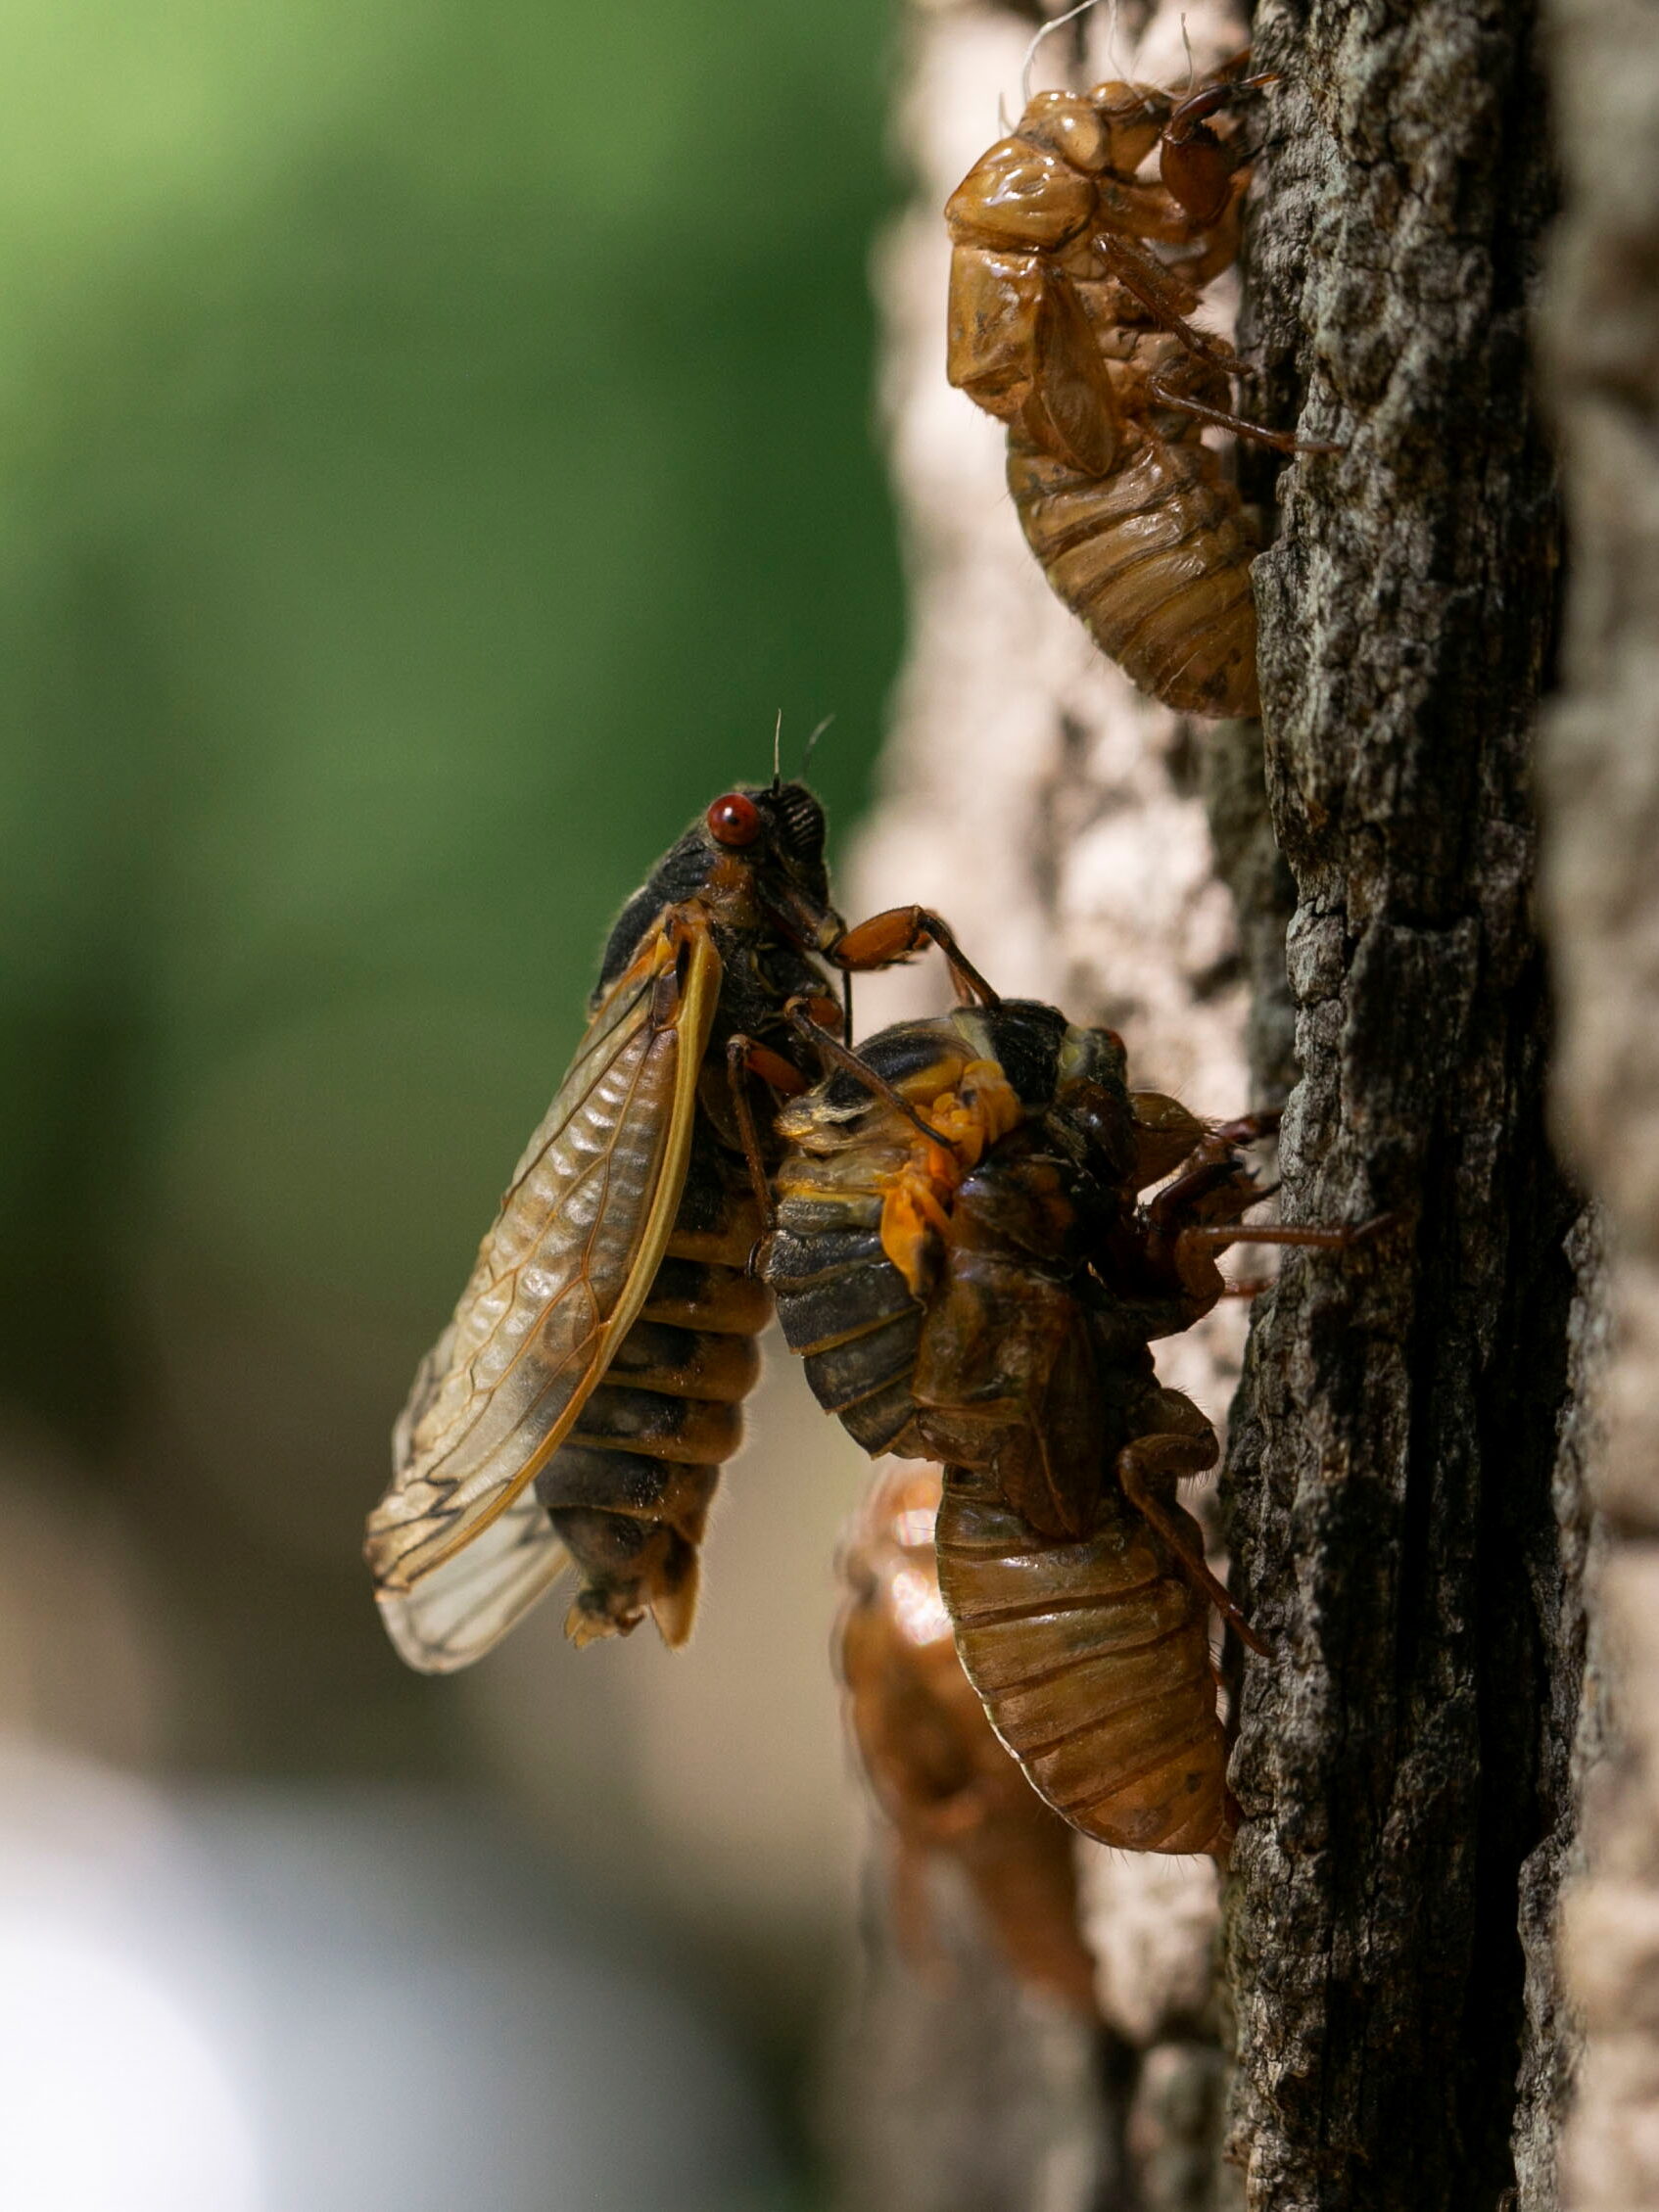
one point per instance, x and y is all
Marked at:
(1407, 1498)
(1406, 1477)
(1601, 764)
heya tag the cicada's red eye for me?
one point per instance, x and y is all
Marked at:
(734, 820)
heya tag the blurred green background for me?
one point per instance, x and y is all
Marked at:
(433, 443)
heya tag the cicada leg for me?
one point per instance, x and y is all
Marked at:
(746, 1057)
(1197, 168)
(891, 936)
(1340, 1236)
(800, 1018)
(1148, 1462)
(1141, 274)
(1280, 441)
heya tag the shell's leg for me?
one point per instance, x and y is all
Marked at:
(1145, 1468)
(1140, 274)
(1211, 1237)
(1281, 440)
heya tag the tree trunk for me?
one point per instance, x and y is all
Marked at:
(1601, 778)
(1407, 1497)
(1406, 1477)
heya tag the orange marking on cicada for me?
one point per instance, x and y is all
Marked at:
(968, 1120)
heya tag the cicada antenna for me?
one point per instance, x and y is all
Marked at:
(1191, 65)
(777, 752)
(1071, 16)
(1113, 60)
(811, 741)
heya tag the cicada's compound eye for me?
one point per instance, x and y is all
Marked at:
(734, 820)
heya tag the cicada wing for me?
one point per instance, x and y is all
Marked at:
(558, 1281)
(1072, 411)
(456, 1613)
(468, 1602)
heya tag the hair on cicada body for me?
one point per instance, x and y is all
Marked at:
(947, 1789)
(968, 1265)
(579, 1407)
(1074, 278)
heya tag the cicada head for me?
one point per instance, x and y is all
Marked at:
(754, 857)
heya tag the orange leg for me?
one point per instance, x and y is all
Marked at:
(745, 1058)
(890, 937)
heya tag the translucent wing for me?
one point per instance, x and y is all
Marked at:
(454, 1613)
(458, 1545)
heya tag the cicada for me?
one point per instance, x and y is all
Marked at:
(965, 1260)
(1073, 282)
(946, 1785)
(579, 1406)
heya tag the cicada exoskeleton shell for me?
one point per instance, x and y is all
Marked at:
(950, 1793)
(1074, 281)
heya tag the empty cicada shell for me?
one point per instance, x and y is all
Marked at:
(1073, 283)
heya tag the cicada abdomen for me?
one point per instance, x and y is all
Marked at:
(628, 1492)
(1092, 1655)
(1073, 282)
(948, 1788)
(1154, 559)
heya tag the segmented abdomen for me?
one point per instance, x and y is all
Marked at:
(848, 1311)
(1155, 560)
(1093, 1662)
(629, 1492)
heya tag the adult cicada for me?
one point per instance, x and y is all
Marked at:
(963, 1255)
(1075, 279)
(583, 1398)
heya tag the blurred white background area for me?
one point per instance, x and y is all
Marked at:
(582, 1976)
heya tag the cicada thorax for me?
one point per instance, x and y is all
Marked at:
(946, 1785)
(1070, 271)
